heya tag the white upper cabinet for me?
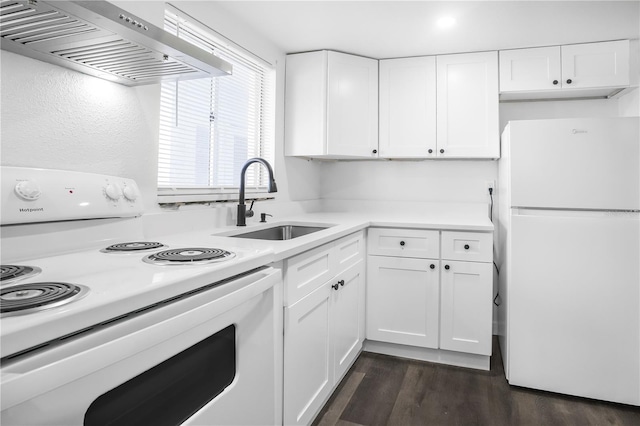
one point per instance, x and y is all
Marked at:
(530, 69)
(331, 105)
(578, 70)
(467, 104)
(408, 107)
(595, 65)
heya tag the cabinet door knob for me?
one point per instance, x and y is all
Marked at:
(430, 151)
(335, 286)
(402, 243)
(555, 82)
(341, 282)
(432, 266)
(446, 267)
(442, 151)
(569, 81)
(466, 246)
(375, 151)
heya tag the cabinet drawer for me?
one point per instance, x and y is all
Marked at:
(403, 243)
(469, 246)
(308, 271)
(349, 250)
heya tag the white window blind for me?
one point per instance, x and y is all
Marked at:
(210, 127)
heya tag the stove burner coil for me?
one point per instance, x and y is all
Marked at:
(189, 255)
(133, 246)
(13, 272)
(28, 298)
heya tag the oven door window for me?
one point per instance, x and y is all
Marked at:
(171, 392)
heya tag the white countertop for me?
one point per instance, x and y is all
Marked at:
(342, 224)
(122, 282)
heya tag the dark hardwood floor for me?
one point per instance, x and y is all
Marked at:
(385, 390)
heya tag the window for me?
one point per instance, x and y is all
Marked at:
(210, 127)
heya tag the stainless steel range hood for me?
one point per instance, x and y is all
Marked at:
(100, 39)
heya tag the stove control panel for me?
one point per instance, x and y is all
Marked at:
(32, 195)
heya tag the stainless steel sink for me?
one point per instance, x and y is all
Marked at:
(281, 232)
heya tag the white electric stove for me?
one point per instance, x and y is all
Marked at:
(93, 309)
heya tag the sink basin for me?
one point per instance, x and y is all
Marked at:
(281, 232)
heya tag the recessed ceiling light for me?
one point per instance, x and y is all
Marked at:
(446, 22)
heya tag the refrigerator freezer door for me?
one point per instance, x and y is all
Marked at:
(574, 303)
(575, 163)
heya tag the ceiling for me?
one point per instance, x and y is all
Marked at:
(386, 29)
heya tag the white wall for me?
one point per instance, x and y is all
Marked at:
(629, 105)
(53, 117)
(429, 180)
(61, 119)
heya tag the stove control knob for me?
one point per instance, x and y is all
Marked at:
(112, 192)
(130, 193)
(28, 190)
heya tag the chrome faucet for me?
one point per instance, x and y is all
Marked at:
(271, 187)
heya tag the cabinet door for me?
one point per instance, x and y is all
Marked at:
(466, 312)
(595, 64)
(467, 99)
(307, 357)
(402, 300)
(408, 107)
(305, 122)
(530, 69)
(347, 318)
(352, 106)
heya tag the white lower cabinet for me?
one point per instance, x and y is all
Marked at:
(403, 295)
(430, 289)
(426, 290)
(465, 309)
(323, 328)
(307, 373)
(347, 319)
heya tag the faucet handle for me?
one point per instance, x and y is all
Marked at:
(263, 217)
(250, 213)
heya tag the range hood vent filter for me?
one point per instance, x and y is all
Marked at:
(97, 38)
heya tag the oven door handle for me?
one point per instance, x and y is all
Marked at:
(41, 372)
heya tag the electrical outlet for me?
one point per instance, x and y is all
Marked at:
(490, 185)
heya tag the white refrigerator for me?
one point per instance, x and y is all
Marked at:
(569, 256)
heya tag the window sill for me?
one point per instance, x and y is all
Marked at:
(204, 196)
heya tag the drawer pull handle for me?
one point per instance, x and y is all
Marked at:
(432, 266)
(466, 246)
(555, 82)
(402, 243)
(569, 81)
(335, 286)
(446, 267)
(341, 282)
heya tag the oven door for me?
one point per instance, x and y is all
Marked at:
(213, 357)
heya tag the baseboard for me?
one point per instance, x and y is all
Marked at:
(459, 359)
